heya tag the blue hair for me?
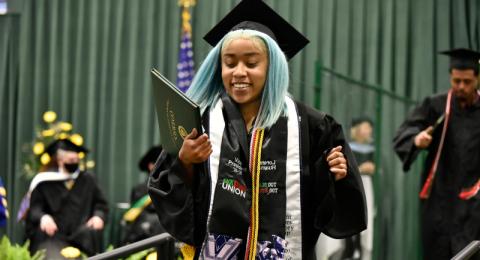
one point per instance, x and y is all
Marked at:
(207, 84)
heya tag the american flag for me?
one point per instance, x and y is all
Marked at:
(3, 205)
(185, 67)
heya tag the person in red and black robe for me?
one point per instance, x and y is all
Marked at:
(447, 126)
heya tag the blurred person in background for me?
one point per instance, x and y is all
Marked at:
(361, 135)
(67, 207)
(141, 218)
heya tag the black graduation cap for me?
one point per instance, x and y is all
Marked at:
(64, 144)
(463, 59)
(149, 157)
(256, 15)
(362, 119)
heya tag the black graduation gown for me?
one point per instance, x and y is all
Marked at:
(138, 191)
(353, 244)
(335, 208)
(70, 209)
(448, 223)
(146, 224)
(362, 157)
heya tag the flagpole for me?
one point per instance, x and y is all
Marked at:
(185, 66)
(186, 4)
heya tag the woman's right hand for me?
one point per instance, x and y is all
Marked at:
(194, 149)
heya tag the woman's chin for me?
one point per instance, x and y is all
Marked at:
(239, 98)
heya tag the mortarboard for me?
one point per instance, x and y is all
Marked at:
(256, 15)
(358, 120)
(64, 144)
(149, 157)
(463, 59)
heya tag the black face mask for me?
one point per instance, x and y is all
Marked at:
(71, 167)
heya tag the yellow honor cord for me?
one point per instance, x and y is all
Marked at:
(255, 171)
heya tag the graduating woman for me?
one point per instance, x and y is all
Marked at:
(269, 173)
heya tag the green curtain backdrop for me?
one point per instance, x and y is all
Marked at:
(9, 41)
(89, 61)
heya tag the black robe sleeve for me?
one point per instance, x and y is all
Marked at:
(418, 120)
(37, 206)
(340, 206)
(100, 203)
(172, 198)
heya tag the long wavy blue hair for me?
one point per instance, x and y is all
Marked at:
(207, 84)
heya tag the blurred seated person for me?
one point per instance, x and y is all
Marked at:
(67, 207)
(357, 247)
(360, 246)
(142, 221)
(146, 164)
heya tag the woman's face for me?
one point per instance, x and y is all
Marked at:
(363, 133)
(67, 157)
(244, 71)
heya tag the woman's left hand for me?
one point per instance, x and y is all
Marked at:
(337, 162)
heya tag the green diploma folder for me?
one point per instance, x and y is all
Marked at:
(177, 115)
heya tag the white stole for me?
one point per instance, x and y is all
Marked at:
(293, 222)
